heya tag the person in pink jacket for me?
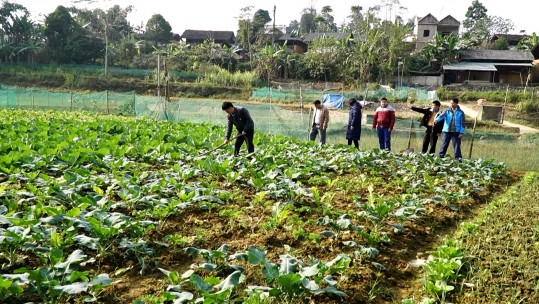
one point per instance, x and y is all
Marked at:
(383, 122)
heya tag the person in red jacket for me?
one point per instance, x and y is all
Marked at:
(383, 122)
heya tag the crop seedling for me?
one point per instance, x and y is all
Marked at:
(95, 186)
(178, 240)
(293, 280)
(442, 269)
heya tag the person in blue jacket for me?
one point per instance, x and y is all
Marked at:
(239, 117)
(453, 129)
(353, 132)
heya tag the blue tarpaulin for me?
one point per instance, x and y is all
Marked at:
(333, 101)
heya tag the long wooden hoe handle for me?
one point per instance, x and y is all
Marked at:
(221, 145)
(410, 135)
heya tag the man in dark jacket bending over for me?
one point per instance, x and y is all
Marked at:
(239, 117)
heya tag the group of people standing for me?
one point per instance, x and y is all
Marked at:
(449, 123)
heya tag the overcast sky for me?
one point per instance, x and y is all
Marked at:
(223, 14)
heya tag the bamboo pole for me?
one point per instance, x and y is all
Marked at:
(473, 136)
(504, 104)
(309, 125)
(301, 101)
(108, 105)
(408, 150)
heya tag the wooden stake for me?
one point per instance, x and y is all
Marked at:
(473, 135)
(504, 103)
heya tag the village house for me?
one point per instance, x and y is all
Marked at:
(295, 44)
(301, 45)
(428, 27)
(482, 66)
(511, 39)
(220, 37)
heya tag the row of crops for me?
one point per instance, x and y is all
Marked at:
(92, 205)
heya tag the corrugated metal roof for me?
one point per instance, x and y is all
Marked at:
(482, 66)
(471, 66)
(513, 64)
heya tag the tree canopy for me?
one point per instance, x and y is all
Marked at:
(158, 29)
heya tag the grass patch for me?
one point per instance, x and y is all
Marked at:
(504, 248)
(490, 259)
(517, 152)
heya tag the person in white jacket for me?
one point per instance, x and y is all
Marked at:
(320, 122)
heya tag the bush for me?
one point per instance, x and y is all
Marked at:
(528, 106)
(214, 75)
(412, 96)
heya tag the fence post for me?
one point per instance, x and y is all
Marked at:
(301, 100)
(473, 137)
(71, 101)
(107, 96)
(33, 97)
(504, 103)
(134, 102)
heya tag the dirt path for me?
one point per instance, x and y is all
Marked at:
(473, 113)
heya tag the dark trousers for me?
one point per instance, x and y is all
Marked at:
(453, 137)
(315, 130)
(248, 137)
(384, 138)
(430, 139)
(355, 141)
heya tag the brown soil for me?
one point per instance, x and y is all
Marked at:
(398, 281)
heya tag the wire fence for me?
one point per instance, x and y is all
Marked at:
(298, 92)
(107, 102)
(294, 120)
(289, 119)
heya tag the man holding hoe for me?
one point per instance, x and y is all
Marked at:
(239, 117)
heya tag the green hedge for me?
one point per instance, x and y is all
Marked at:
(47, 70)
(140, 86)
(490, 95)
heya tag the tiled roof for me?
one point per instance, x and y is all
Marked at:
(500, 55)
(203, 35)
(314, 36)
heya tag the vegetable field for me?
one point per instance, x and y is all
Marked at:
(107, 209)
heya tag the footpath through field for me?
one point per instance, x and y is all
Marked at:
(473, 113)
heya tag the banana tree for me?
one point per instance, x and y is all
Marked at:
(441, 50)
(267, 65)
(285, 59)
(529, 42)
